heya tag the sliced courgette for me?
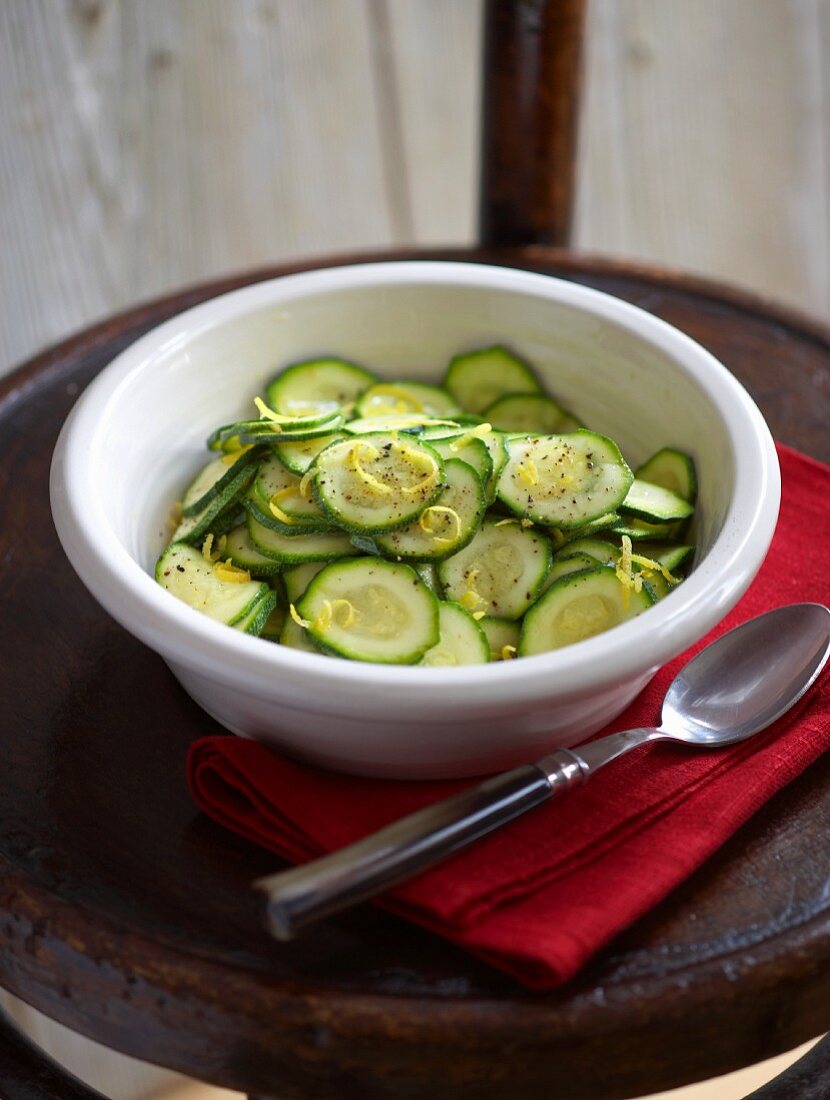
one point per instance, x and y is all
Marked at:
(500, 572)
(477, 378)
(579, 606)
(672, 470)
(502, 637)
(294, 549)
(531, 413)
(461, 640)
(216, 589)
(564, 481)
(405, 398)
(317, 386)
(654, 503)
(444, 527)
(371, 610)
(377, 482)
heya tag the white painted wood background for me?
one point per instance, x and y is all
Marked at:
(149, 143)
(146, 144)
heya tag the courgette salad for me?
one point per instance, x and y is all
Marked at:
(405, 523)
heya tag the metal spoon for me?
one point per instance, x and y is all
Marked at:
(734, 688)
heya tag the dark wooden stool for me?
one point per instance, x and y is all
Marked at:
(128, 916)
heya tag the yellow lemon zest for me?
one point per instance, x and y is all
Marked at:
(508, 652)
(505, 522)
(479, 432)
(292, 611)
(227, 571)
(208, 552)
(527, 472)
(421, 463)
(625, 574)
(649, 566)
(527, 523)
(425, 522)
(305, 483)
(323, 620)
(350, 614)
(237, 452)
(369, 454)
(404, 402)
(472, 600)
(276, 511)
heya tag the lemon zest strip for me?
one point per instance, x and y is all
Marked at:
(292, 611)
(236, 452)
(276, 511)
(527, 472)
(508, 652)
(422, 463)
(479, 432)
(351, 616)
(353, 460)
(227, 571)
(425, 522)
(471, 600)
(405, 402)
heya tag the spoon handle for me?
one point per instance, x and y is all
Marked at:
(308, 893)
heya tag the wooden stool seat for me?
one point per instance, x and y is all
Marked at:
(128, 916)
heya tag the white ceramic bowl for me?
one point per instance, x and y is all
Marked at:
(137, 436)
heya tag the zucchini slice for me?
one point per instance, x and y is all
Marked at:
(317, 387)
(579, 606)
(673, 470)
(601, 551)
(639, 529)
(294, 637)
(221, 511)
(469, 449)
(378, 482)
(244, 555)
(444, 527)
(214, 478)
(224, 594)
(297, 578)
(405, 398)
(564, 481)
(294, 549)
(654, 504)
(502, 637)
(256, 619)
(500, 572)
(477, 378)
(532, 413)
(461, 641)
(371, 610)
(574, 564)
(275, 500)
(300, 453)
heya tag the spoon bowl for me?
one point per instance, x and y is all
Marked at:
(749, 677)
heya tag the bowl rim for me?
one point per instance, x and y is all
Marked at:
(132, 596)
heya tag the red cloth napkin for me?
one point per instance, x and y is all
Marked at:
(543, 894)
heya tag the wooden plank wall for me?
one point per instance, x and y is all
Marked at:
(145, 144)
(149, 143)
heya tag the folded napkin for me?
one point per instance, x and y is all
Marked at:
(543, 894)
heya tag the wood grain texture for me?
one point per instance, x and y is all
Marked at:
(705, 140)
(145, 145)
(145, 934)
